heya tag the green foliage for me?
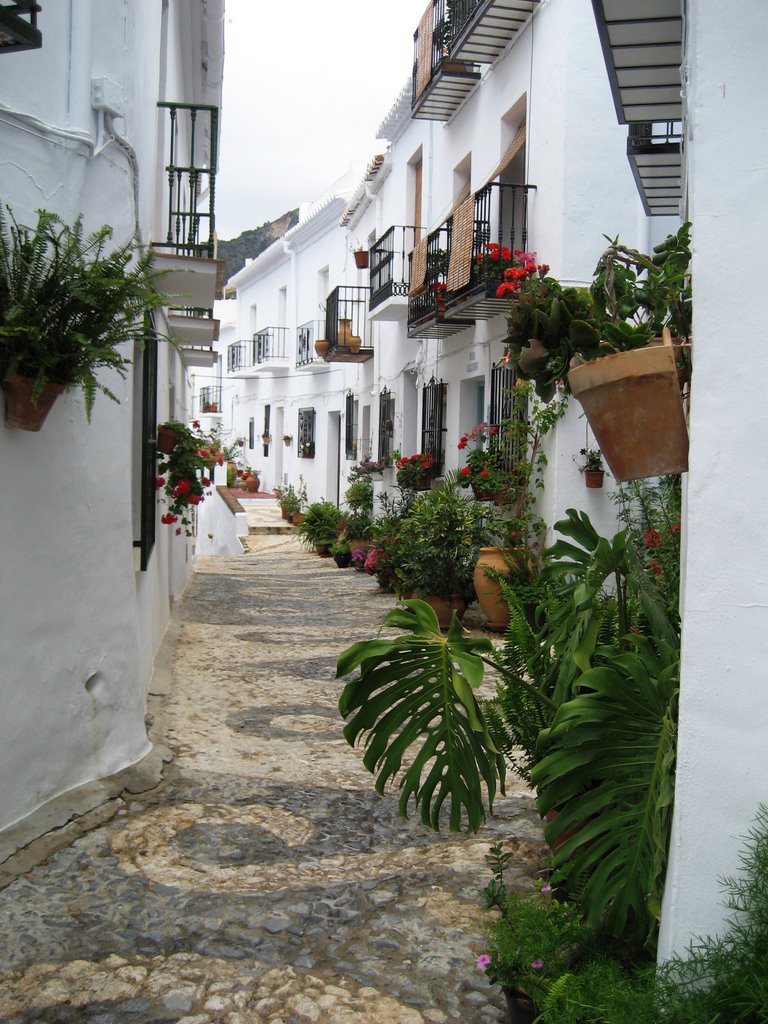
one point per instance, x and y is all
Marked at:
(67, 305)
(320, 524)
(533, 942)
(608, 770)
(292, 499)
(417, 689)
(359, 496)
(183, 475)
(439, 542)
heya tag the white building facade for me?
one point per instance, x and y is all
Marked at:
(88, 573)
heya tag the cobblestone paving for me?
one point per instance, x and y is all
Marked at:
(263, 881)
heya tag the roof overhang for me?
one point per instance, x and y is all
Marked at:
(642, 46)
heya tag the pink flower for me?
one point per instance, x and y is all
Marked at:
(537, 964)
(482, 961)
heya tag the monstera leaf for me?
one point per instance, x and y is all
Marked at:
(414, 695)
(608, 771)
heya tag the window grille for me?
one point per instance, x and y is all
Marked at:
(350, 426)
(504, 406)
(433, 422)
(386, 424)
(265, 432)
(306, 439)
(148, 498)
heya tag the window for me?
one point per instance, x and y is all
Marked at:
(265, 432)
(306, 434)
(433, 422)
(350, 426)
(251, 434)
(147, 467)
(386, 424)
(503, 405)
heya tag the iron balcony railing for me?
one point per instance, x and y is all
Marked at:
(191, 169)
(237, 356)
(270, 344)
(346, 318)
(306, 336)
(390, 266)
(645, 134)
(500, 219)
(430, 298)
(441, 39)
(480, 30)
(210, 399)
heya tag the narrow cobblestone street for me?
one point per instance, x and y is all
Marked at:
(263, 880)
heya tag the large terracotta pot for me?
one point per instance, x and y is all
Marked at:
(632, 401)
(445, 607)
(20, 410)
(488, 590)
(167, 439)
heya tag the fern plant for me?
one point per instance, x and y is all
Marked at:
(67, 305)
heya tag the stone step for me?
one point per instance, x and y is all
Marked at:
(266, 530)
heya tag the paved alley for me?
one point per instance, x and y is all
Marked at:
(263, 881)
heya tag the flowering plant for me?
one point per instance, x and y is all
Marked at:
(534, 940)
(592, 459)
(495, 260)
(183, 474)
(367, 468)
(415, 471)
(486, 469)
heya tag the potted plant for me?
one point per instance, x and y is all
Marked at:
(266, 438)
(320, 526)
(415, 472)
(592, 467)
(182, 475)
(603, 342)
(307, 450)
(487, 470)
(532, 942)
(437, 548)
(359, 523)
(341, 551)
(287, 440)
(66, 308)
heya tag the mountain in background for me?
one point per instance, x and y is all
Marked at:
(251, 243)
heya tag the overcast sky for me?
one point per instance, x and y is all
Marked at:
(306, 84)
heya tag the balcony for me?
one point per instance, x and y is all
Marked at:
(441, 82)
(347, 329)
(210, 401)
(264, 353)
(189, 275)
(390, 273)
(654, 149)
(429, 296)
(307, 359)
(16, 33)
(500, 217)
(481, 30)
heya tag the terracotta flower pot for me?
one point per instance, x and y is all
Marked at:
(488, 590)
(20, 410)
(633, 405)
(167, 439)
(361, 259)
(445, 606)
(594, 477)
(322, 345)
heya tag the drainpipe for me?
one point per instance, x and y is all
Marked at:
(289, 251)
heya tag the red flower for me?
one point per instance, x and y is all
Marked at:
(653, 564)
(462, 443)
(220, 460)
(196, 424)
(169, 518)
(182, 487)
(195, 499)
(652, 538)
(159, 481)
(466, 471)
(425, 464)
(206, 482)
(493, 430)
(483, 472)
(178, 531)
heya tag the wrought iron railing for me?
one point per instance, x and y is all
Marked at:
(433, 423)
(429, 299)
(210, 399)
(191, 169)
(386, 424)
(441, 40)
(500, 218)
(390, 266)
(645, 134)
(306, 336)
(15, 32)
(270, 344)
(346, 316)
(306, 439)
(237, 356)
(350, 426)
(503, 407)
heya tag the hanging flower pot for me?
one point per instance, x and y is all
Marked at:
(167, 439)
(633, 405)
(361, 259)
(20, 410)
(594, 477)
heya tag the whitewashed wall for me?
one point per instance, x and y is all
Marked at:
(721, 774)
(79, 625)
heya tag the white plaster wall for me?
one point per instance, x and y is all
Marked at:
(79, 625)
(721, 774)
(218, 528)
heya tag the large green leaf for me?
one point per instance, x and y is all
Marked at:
(415, 693)
(608, 771)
